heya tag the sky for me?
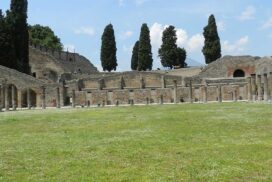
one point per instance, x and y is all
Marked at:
(244, 26)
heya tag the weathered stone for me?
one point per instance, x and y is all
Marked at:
(265, 80)
(259, 86)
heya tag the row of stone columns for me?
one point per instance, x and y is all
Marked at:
(16, 95)
(5, 97)
(258, 91)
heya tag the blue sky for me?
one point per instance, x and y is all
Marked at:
(245, 26)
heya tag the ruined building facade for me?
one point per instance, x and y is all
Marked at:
(68, 79)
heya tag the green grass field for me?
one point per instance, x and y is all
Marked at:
(201, 142)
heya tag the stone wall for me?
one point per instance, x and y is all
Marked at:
(50, 65)
(226, 66)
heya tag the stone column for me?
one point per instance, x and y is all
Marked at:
(3, 96)
(1, 93)
(142, 83)
(249, 89)
(58, 97)
(253, 87)
(28, 98)
(43, 98)
(161, 99)
(175, 91)
(73, 98)
(163, 81)
(19, 98)
(235, 94)
(270, 86)
(7, 97)
(190, 92)
(63, 94)
(259, 85)
(13, 98)
(219, 93)
(205, 94)
(265, 87)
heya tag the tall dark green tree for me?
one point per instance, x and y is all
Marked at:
(17, 19)
(145, 60)
(212, 47)
(108, 50)
(134, 58)
(170, 54)
(7, 58)
(181, 57)
(168, 50)
(44, 36)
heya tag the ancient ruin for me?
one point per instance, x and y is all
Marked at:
(62, 79)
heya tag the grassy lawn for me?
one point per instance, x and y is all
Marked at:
(213, 142)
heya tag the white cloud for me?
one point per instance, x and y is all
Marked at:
(221, 26)
(156, 34)
(182, 37)
(69, 47)
(85, 30)
(267, 24)
(237, 47)
(195, 43)
(191, 44)
(126, 34)
(248, 13)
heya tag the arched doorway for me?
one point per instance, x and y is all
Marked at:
(238, 73)
(32, 99)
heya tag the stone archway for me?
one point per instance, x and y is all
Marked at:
(239, 73)
(31, 101)
(9, 97)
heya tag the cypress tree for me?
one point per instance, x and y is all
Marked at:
(108, 49)
(7, 58)
(168, 50)
(134, 58)
(2, 40)
(145, 60)
(212, 47)
(17, 18)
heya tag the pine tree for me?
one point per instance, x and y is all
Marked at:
(145, 60)
(181, 57)
(17, 18)
(108, 50)
(212, 47)
(168, 50)
(44, 36)
(134, 58)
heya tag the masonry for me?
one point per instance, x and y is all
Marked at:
(214, 83)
